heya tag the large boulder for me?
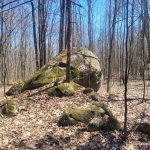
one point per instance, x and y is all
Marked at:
(95, 116)
(85, 70)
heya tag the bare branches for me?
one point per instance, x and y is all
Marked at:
(8, 3)
(15, 6)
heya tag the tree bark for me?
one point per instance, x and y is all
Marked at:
(112, 34)
(68, 74)
(42, 32)
(35, 37)
(61, 31)
(126, 71)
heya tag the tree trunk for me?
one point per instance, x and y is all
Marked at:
(35, 37)
(68, 74)
(112, 34)
(61, 31)
(90, 24)
(42, 32)
(126, 71)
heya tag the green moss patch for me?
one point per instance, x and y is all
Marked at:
(80, 114)
(84, 114)
(64, 89)
(44, 77)
(9, 108)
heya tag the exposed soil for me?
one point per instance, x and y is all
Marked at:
(35, 126)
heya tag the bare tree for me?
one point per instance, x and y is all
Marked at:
(111, 43)
(42, 31)
(126, 70)
(68, 7)
(90, 24)
(35, 37)
(61, 32)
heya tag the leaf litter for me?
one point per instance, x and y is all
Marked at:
(35, 125)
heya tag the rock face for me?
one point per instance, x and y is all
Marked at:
(95, 116)
(85, 70)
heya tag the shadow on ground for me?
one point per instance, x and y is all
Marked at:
(104, 140)
(47, 142)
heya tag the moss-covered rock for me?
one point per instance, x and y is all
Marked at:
(91, 94)
(9, 108)
(43, 77)
(63, 89)
(66, 120)
(85, 70)
(96, 117)
(15, 89)
(113, 122)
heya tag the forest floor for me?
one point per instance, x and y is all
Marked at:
(35, 126)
